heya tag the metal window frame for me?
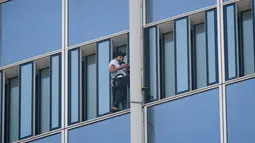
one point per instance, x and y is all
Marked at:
(216, 46)
(147, 66)
(32, 99)
(59, 88)
(188, 56)
(69, 86)
(226, 40)
(97, 76)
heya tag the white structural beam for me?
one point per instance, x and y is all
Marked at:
(221, 55)
(136, 46)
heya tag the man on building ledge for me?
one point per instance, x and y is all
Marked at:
(119, 80)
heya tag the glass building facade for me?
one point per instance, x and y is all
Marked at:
(198, 71)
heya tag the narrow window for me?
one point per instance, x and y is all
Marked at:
(247, 43)
(90, 98)
(211, 45)
(74, 86)
(200, 56)
(182, 55)
(44, 100)
(230, 41)
(168, 65)
(150, 65)
(103, 78)
(13, 114)
(26, 100)
(55, 91)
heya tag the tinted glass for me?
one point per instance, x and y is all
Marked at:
(161, 9)
(247, 43)
(190, 119)
(240, 113)
(200, 52)
(45, 101)
(27, 26)
(169, 65)
(153, 63)
(230, 40)
(51, 139)
(55, 90)
(26, 100)
(182, 55)
(90, 19)
(211, 39)
(74, 85)
(14, 109)
(104, 131)
(103, 53)
(91, 87)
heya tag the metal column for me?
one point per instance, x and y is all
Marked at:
(136, 54)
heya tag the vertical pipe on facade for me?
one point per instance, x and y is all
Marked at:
(136, 46)
(221, 68)
(64, 96)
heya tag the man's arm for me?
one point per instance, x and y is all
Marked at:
(114, 69)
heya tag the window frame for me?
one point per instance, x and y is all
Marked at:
(216, 47)
(146, 66)
(32, 99)
(97, 77)
(188, 55)
(225, 23)
(59, 90)
(69, 86)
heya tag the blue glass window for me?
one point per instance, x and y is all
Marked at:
(190, 119)
(115, 130)
(26, 100)
(181, 35)
(90, 87)
(240, 112)
(230, 41)
(211, 45)
(150, 65)
(247, 43)
(44, 100)
(103, 78)
(168, 65)
(90, 19)
(161, 9)
(55, 91)
(27, 26)
(74, 86)
(13, 118)
(200, 56)
(51, 139)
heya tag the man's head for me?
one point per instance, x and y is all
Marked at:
(119, 56)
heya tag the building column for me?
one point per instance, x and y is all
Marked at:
(136, 66)
(221, 69)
